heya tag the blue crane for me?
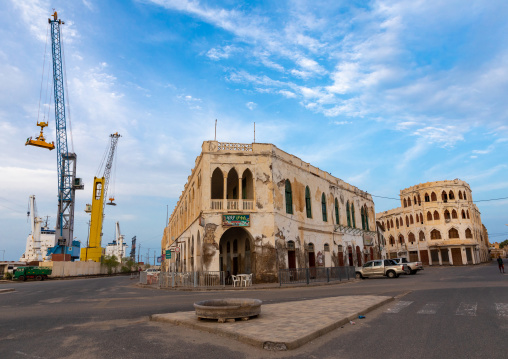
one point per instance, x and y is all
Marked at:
(66, 161)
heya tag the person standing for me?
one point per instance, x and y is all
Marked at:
(501, 265)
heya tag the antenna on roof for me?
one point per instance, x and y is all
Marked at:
(215, 130)
(254, 132)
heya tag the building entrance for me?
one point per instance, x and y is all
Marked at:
(235, 253)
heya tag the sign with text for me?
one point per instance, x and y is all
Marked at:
(236, 220)
(168, 254)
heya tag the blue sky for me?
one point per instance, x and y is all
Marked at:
(382, 94)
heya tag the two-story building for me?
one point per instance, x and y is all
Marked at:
(437, 224)
(253, 208)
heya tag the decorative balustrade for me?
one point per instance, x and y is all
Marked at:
(216, 204)
(227, 146)
(248, 205)
(233, 205)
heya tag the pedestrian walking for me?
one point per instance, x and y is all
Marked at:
(501, 265)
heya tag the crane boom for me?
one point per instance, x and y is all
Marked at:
(66, 161)
(94, 251)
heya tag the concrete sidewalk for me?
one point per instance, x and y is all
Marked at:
(284, 326)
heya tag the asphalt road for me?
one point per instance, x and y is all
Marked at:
(452, 312)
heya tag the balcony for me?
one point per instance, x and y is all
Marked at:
(232, 205)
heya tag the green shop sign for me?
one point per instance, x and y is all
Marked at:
(236, 220)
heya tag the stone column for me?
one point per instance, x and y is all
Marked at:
(240, 194)
(439, 255)
(450, 258)
(430, 256)
(225, 194)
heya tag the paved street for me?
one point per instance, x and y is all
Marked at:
(457, 312)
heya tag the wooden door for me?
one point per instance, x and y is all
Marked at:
(291, 260)
(424, 255)
(457, 257)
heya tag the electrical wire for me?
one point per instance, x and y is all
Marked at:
(42, 75)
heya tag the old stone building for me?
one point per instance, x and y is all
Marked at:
(437, 223)
(253, 208)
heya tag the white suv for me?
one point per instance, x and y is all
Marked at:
(152, 271)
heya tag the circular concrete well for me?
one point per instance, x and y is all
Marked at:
(231, 308)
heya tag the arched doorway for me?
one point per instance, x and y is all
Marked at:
(359, 256)
(350, 256)
(235, 255)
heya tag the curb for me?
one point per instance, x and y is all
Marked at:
(272, 346)
(7, 290)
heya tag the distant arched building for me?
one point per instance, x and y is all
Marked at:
(443, 236)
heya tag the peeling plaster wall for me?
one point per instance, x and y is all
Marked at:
(270, 226)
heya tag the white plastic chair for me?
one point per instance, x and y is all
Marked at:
(247, 280)
(236, 280)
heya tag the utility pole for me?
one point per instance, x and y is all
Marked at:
(139, 251)
(154, 257)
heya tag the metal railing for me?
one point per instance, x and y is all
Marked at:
(192, 279)
(315, 274)
(248, 205)
(232, 205)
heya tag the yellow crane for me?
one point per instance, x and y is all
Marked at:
(94, 251)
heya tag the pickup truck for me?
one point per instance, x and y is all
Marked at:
(381, 267)
(37, 273)
(414, 267)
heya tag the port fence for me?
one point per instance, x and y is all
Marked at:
(209, 279)
(315, 274)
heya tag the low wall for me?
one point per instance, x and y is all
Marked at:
(75, 269)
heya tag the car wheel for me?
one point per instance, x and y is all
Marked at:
(413, 271)
(390, 274)
(38, 278)
(358, 275)
(22, 277)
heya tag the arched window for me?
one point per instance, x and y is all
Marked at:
(353, 215)
(429, 216)
(409, 201)
(435, 234)
(233, 191)
(397, 222)
(465, 198)
(391, 222)
(327, 247)
(447, 214)
(460, 195)
(421, 236)
(411, 237)
(405, 203)
(363, 218)
(453, 233)
(366, 218)
(433, 197)
(348, 214)
(463, 213)
(247, 186)
(217, 184)
(436, 215)
(392, 240)
(401, 222)
(289, 198)
(336, 211)
(419, 200)
(323, 207)
(444, 196)
(401, 239)
(414, 200)
(454, 214)
(411, 218)
(427, 197)
(451, 195)
(467, 214)
(307, 202)
(468, 233)
(388, 224)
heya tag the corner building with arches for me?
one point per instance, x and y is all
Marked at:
(437, 224)
(253, 208)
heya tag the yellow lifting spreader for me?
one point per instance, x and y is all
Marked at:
(40, 141)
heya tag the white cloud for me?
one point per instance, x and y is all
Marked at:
(251, 105)
(221, 53)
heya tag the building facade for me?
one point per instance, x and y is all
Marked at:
(253, 208)
(437, 224)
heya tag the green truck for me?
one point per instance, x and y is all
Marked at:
(37, 273)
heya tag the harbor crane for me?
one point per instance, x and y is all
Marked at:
(94, 251)
(66, 161)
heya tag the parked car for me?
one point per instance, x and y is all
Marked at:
(152, 271)
(414, 267)
(381, 267)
